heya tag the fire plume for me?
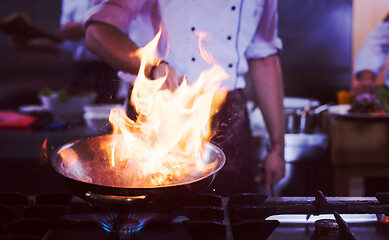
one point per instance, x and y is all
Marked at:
(165, 144)
(44, 159)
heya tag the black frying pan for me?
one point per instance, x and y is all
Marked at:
(89, 176)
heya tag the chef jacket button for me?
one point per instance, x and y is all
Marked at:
(228, 37)
(233, 8)
(192, 29)
(230, 65)
(193, 59)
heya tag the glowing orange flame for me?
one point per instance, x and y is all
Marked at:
(165, 143)
(44, 159)
(69, 157)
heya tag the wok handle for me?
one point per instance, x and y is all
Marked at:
(113, 198)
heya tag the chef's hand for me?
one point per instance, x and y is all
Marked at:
(173, 79)
(364, 84)
(273, 168)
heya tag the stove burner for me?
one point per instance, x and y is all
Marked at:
(332, 229)
(122, 225)
(345, 232)
(326, 229)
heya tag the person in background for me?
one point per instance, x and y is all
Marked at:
(244, 38)
(88, 72)
(371, 58)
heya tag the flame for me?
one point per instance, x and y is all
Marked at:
(165, 144)
(69, 157)
(44, 159)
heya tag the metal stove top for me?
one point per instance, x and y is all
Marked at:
(245, 216)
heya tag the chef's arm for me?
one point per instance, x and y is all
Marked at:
(268, 86)
(112, 46)
(117, 50)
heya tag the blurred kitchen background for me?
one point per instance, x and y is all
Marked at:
(320, 37)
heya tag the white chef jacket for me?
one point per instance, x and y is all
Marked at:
(73, 11)
(239, 30)
(374, 51)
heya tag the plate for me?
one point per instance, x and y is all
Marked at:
(342, 110)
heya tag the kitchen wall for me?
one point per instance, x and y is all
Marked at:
(317, 37)
(316, 60)
(23, 73)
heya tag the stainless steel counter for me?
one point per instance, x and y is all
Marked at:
(298, 147)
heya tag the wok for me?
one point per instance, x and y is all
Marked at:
(90, 177)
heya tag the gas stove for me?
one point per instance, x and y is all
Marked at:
(48, 216)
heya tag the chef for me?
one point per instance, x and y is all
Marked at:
(371, 58)
(244, 38)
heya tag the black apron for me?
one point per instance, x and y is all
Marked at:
(233, 136)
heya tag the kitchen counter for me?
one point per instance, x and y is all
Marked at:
(359, 152)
